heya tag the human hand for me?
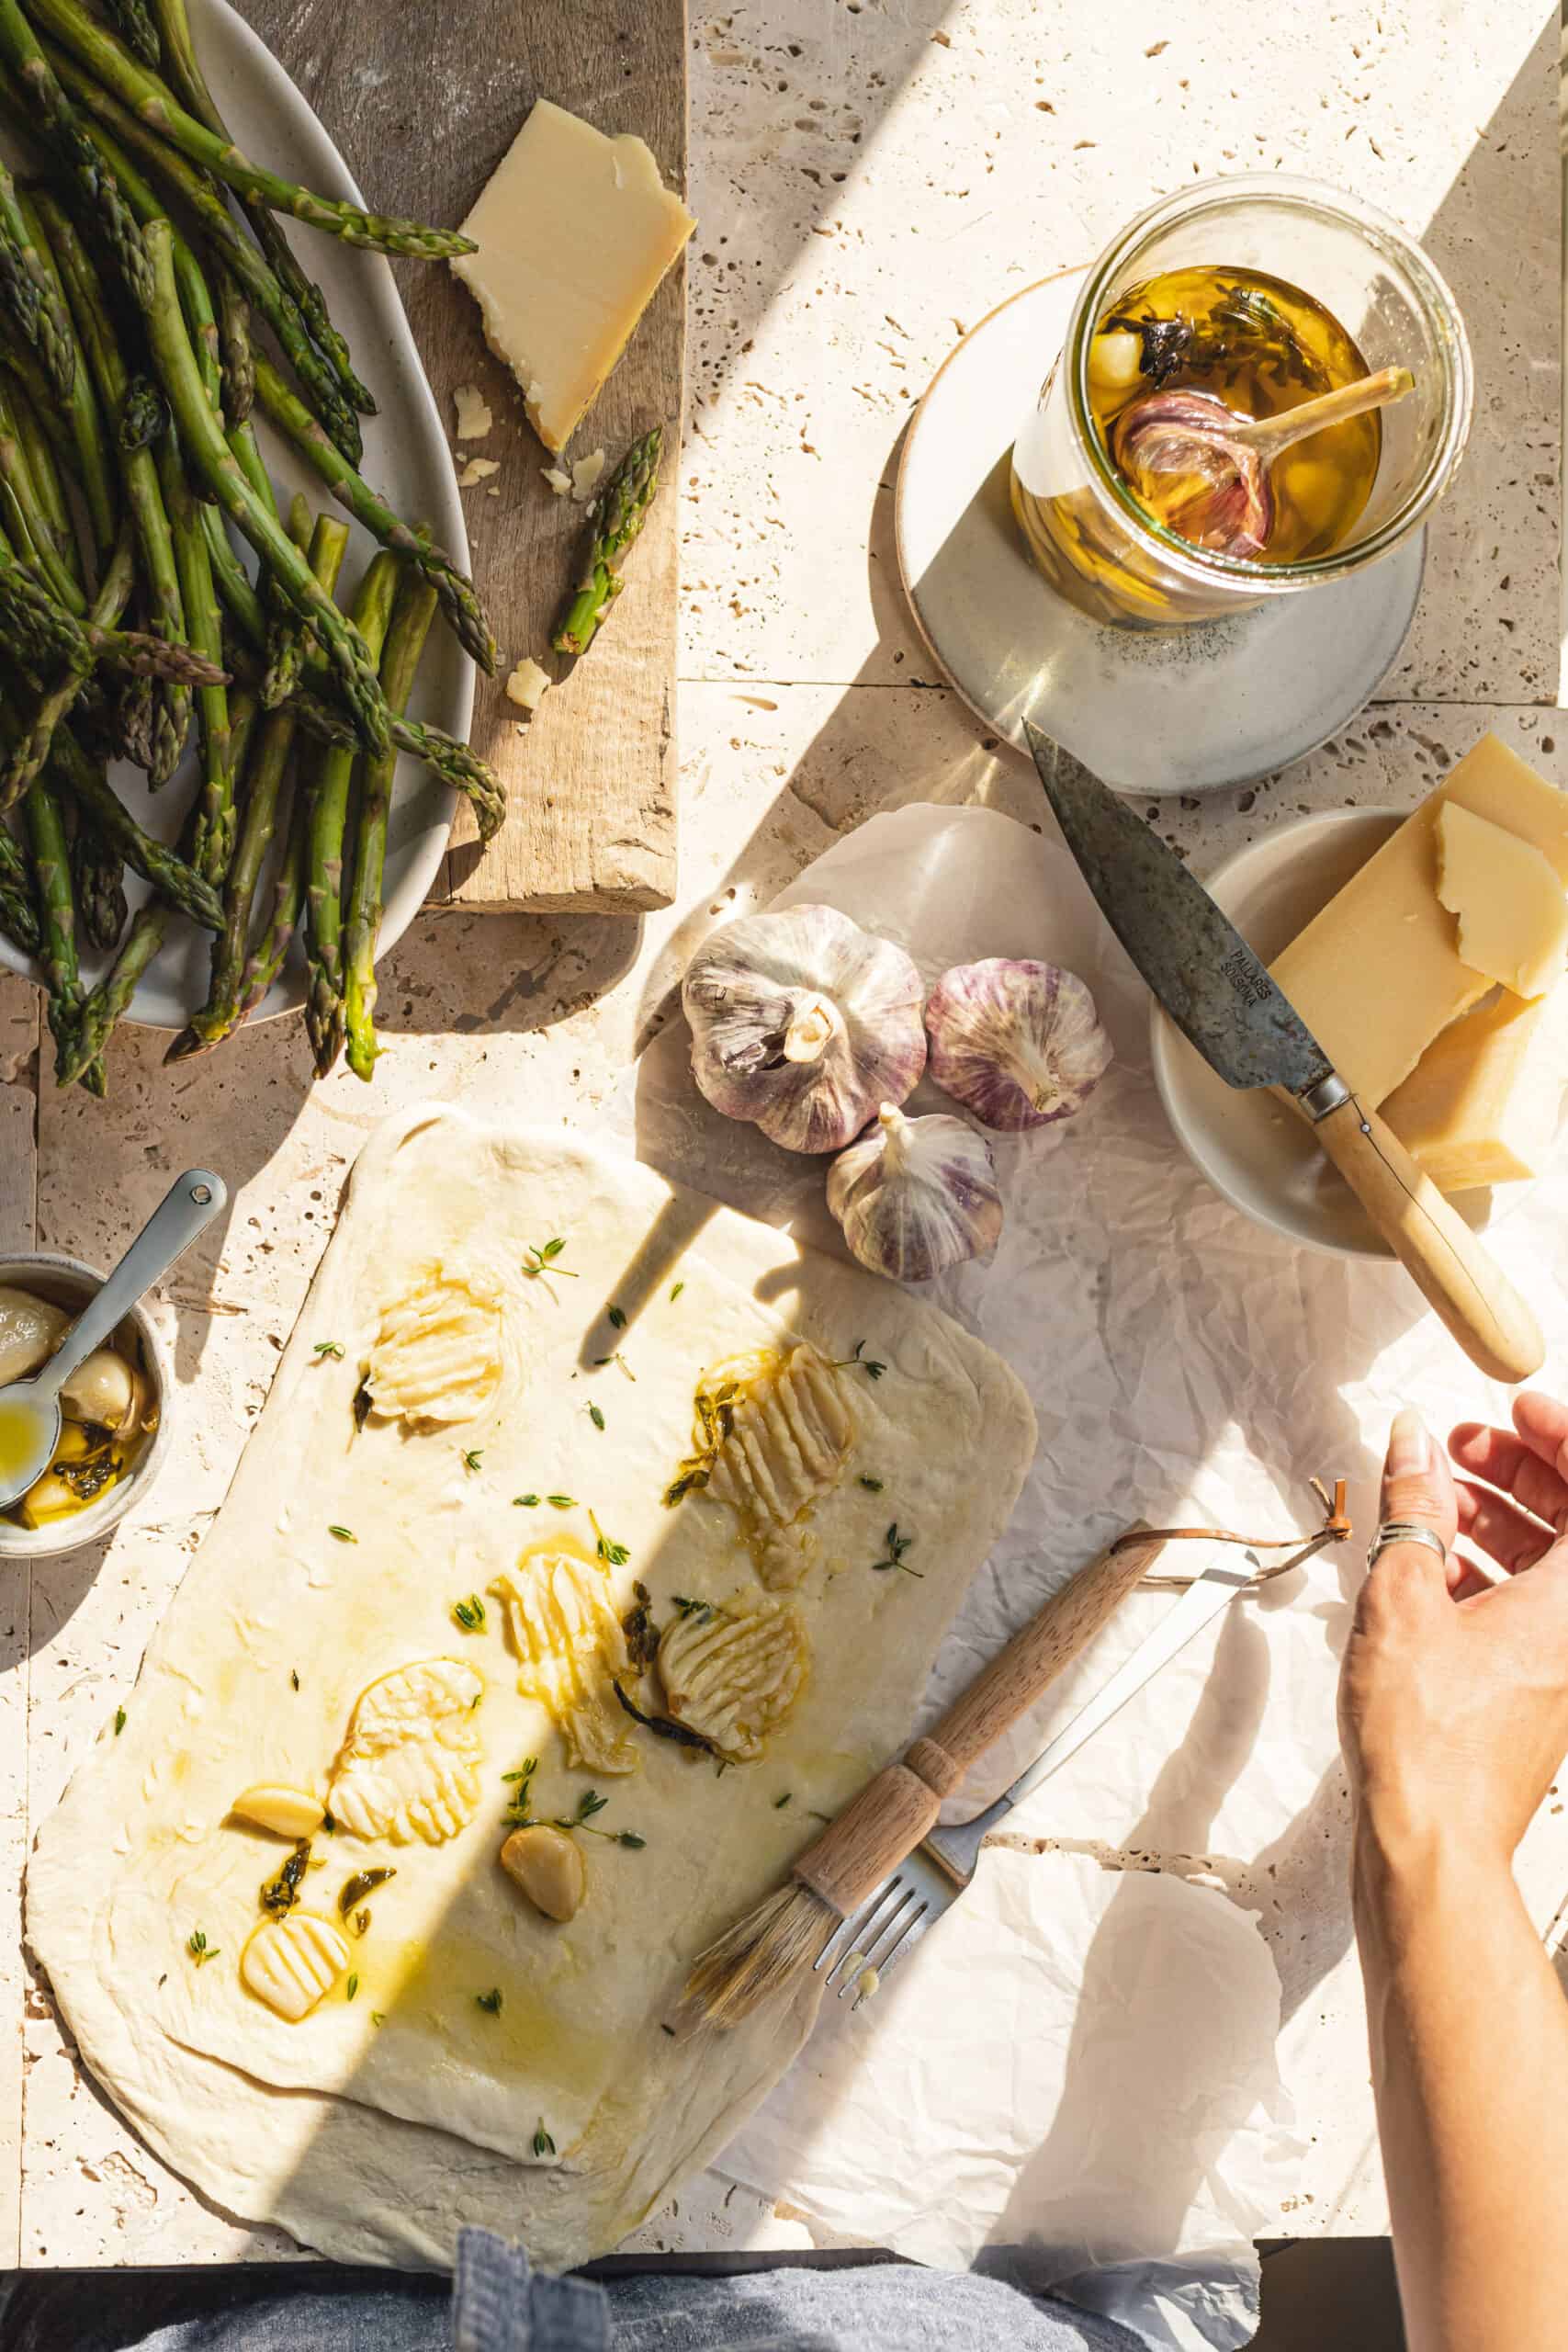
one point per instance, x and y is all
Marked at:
(1453, 1695)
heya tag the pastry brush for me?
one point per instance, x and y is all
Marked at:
(840, 1886)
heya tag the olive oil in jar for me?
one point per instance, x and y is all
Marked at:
(1246, 343)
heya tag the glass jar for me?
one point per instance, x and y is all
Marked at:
(1084, 529)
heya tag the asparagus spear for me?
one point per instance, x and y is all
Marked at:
(270, 952)
(264, 782)
(213, 831)
(133, 21)
(43, 635)
(287, 634)
(18, 910)
(51, 867)
(329, 803)
(182, 68)
(619, 513)
(457, 593)
(33, 744)
(458, 768)
(209, 454)
(95, 468)
(99, 876)
(131, 81)
(411, 617)
(139, 473)
(31, 532)
(143, 415)
(153, 860)
(118, 134)
(61, 132)
(49, 329)
(234, 342)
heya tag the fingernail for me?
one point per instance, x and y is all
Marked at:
(1409, 1447)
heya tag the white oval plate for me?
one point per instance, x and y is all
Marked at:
(407, 460)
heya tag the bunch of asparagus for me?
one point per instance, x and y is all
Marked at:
(142, 269)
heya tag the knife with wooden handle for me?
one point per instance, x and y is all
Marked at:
(1228, 1003)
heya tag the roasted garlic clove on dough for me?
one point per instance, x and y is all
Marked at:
(410, 1765)
(293, 1964)
(562, 1621)
(289, 1813)
(437, 1359)
(733, 1673)
(547, 1865)
(787, 1443)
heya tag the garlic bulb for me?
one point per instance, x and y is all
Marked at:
(1017, 1043)
(915, 1196)
(802, 1023)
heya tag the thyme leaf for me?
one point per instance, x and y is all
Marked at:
(490, 2001)
(562, 1502)
(596, 1417)
(294, 1676)
(324, 1348)
(470, 1613)
(119, 1721)
(872, 1486)
(614, 1554)
(780, 1802)
(676, 1291)
(344, 1534)
(524, 1502)
(351, 1988)
(473, 1457)
(616, 1319)
(543, 2144)
(378, 2016)
(200, 1951)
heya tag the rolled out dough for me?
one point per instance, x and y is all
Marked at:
(377, 2125)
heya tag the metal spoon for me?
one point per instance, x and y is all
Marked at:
(29, 1410)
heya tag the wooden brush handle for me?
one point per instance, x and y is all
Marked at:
(878, 1829)
(1455, 1276)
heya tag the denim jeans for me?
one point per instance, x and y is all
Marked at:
(499, 2304)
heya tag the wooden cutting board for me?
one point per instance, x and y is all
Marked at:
(423, 101)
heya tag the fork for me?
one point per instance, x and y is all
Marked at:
(885, 1927)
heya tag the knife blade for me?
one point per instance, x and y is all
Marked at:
(1215, 987)
(1233, 1012)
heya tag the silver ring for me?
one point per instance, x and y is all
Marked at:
(1405, 1530)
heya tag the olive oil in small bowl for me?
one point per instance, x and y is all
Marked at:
(114, 1426)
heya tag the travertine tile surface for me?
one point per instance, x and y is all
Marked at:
(869, 179)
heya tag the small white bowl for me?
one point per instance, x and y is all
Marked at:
(68, 1284)
(1251, 1149)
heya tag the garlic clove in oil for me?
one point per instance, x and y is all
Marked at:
(1017, 1043)
(1184, 463)
(802, 1023)
(915, 1197)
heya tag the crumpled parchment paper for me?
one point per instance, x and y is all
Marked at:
(1187, 1367)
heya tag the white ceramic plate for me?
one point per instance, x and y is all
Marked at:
(1251, 1149)
(406, 458)
(1151, 710)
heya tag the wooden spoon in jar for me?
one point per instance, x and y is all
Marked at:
(1188, 442)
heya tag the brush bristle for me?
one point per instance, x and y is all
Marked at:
(759, 1957)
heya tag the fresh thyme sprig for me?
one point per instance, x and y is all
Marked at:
(200, 1951)
(470, 1613)
(858, 1361)
(588, 1804)
(473, 1457)
(543, 2144)
(545, 1261)
(896, 1545)
(614, 1554)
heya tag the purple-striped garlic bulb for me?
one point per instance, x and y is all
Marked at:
(803, 1022)
(915, 1197)
(1017, 1043)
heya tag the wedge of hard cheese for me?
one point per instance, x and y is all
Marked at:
(1512, 908)
(1483, 1103)
(1378, 973)
(574, 231)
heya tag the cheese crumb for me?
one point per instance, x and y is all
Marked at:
(477, 470)
(474, 417)
(585, 473)
(528, 684)
(559, 482)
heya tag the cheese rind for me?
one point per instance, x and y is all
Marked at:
(1482, 1106)
(1512, 909)
(574, 231)
(1378, 973)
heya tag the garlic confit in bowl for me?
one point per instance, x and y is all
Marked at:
(1017, 1043)
(915, 1196)
(802, 1023)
